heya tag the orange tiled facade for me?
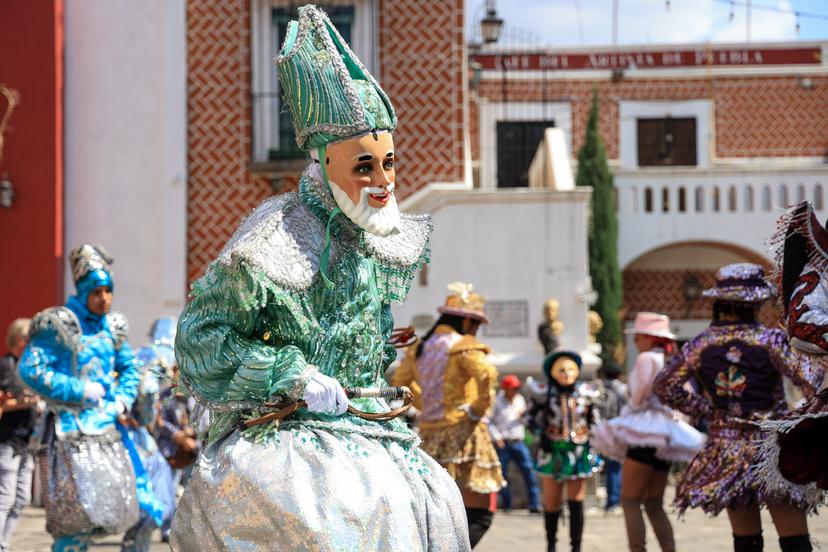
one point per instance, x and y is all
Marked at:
(422, 65)
(758, 114)
(221, 189)
(422, 61)
(424, 79)
(663, 291)
(755, 116)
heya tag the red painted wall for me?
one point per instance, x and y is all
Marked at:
(31, 232)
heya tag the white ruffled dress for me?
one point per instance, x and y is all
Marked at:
(645, 422)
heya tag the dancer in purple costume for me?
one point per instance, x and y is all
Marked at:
(731, 375)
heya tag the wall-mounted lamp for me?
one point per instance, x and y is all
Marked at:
(805, 83)
(475, 73)
(6, 193)
(692, 289)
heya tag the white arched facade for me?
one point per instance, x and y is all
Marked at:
(660, 207)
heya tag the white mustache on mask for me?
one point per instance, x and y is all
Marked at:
(381, 221)
(377, 190)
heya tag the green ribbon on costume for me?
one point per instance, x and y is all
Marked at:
(326, 250)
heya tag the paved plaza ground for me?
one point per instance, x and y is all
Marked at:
(515, 531)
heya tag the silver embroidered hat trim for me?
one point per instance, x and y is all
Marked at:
(89, 257)
(310, 18)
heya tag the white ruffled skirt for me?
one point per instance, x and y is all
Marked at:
(311, 489)
(674, 440)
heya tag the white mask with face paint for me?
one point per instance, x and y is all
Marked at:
(380, 221)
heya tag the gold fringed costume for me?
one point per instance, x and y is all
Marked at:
(453, 384)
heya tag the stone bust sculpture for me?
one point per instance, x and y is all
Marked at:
(595, 325)
(551, 327)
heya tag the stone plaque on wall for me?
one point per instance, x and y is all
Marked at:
(508, 319)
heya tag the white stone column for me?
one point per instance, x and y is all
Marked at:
(126, 148)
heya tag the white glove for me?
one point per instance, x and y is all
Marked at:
(469, 412)
(324, 394)
(93, 391)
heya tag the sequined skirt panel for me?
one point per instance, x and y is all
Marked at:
(88, 485)
(564, 460)
(467, 452)
(722, 474)
(313, 490)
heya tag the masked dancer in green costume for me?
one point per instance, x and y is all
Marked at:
(296, 307)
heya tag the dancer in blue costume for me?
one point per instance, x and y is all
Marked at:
(155, 359)
(79, 360)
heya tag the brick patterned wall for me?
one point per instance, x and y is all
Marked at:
(755, 116)
(220, 189)
(422, 50)
(423, 75)
(474, 125)
(663, 291)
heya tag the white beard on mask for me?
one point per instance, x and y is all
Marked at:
(380, 221)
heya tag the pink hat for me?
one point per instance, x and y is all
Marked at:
(651, 323)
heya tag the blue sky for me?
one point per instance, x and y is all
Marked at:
(557, 22)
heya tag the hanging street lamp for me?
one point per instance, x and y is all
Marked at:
(491, 25)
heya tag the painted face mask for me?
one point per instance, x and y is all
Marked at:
(565, 371)
(361, 176)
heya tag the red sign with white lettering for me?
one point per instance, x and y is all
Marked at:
(715, 57)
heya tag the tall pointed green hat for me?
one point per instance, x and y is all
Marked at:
(330, 93)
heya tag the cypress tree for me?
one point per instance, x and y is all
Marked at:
(594, 172)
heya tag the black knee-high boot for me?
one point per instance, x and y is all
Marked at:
(798, 543)
(551, 521)
(479, 521)
(750, 543)
(576, 524)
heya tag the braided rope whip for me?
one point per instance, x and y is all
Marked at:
(282, 410)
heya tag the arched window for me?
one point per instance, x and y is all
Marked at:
(699, 199)
(818, 197)
(665, 200)
(783, 195)
(767, 200)
(749, 198)
(731, 199)
(648, 200)
(716, 197)
(682, 199)
(800, 193)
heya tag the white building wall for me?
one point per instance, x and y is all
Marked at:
(126, 148)
(513, 245)
(492, 113)
(750, 200)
